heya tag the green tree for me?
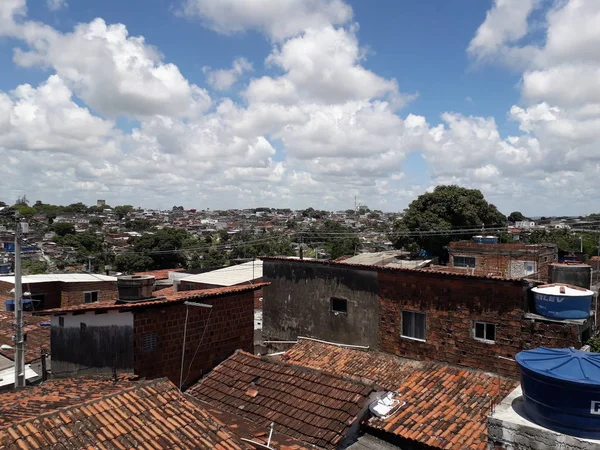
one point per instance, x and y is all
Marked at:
(447, 208)
(24, 210)
(77, 208)
(133, 263)
(31, 267)
(22, 201)
(337, 239)
(138, 225)
(516, 216)
(163, 246)
(122, 210)
(96, 221)
(63, 228)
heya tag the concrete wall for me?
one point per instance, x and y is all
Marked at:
(297, 302)
(105, 341)
(191, 286)
(574, 274)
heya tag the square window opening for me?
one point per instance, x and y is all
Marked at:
(413, 324)
(464, 261)
(90, 297)
(484, 331)
(339, 305)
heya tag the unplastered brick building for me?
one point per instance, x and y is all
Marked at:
(60, 290)
(484, 256)
(147, 337)
(457, 318)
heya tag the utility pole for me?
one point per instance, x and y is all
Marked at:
(19, 337)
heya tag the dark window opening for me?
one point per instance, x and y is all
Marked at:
(90, 297)
(149, 342)
(37, 301)
(413, 324)
(339, 305)
(464, 261)
(61, 321)
(484, 331)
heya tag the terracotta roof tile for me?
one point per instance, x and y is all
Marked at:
(312, 407)
(446, 407)
(161, 274)
(38, 337)
(369, 367)
(170, 298)
(107, 429)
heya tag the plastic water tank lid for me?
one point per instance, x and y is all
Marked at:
(565, 364)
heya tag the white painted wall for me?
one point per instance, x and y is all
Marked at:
(95, 320)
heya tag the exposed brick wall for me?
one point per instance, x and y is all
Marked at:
(73, 293)
(51, 292)
(506, 260)
(451, 305)
(190, 286)
(228, 326)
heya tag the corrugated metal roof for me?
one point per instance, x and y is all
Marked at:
(229, 276)
(62, 277)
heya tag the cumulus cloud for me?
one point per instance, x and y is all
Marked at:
(278, 19)
(224, 79)
(112, 72)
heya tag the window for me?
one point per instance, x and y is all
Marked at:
(413, 325)
(38, 301)
(484, 331)
(528, 267)
(61, 321)
(149, 342)
(339, 305)
(464, 261)
(90, 297)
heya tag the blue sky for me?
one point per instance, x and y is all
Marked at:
(328, 99)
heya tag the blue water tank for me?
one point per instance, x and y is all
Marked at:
(4, 269)
(561, 389)
(562, 301)
(478, 239)
(489, 240)
(9, 305)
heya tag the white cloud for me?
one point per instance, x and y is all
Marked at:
(504, 24)
(112, 72)
(224, 79)
(56, 5)
(278, 19)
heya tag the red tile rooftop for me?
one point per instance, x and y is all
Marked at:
(309, 406)
(161, 274)
(148, 414)
(466, 395)
(170, 298)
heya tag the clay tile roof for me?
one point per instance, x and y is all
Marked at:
(309, 406)
(161, 274)
(151, 414)
(168, 298)
(53, 394)
(446, 407)
(38, 337)
(381, 369)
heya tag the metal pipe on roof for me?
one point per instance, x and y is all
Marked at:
(362, 347)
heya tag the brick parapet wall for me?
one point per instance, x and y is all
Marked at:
(74, 293)
(212, 336)
(452, 305)
(499, 259)
(50, 290)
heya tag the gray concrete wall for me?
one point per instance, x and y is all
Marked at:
(297, 302)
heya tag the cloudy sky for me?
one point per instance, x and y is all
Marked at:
(297, 103)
